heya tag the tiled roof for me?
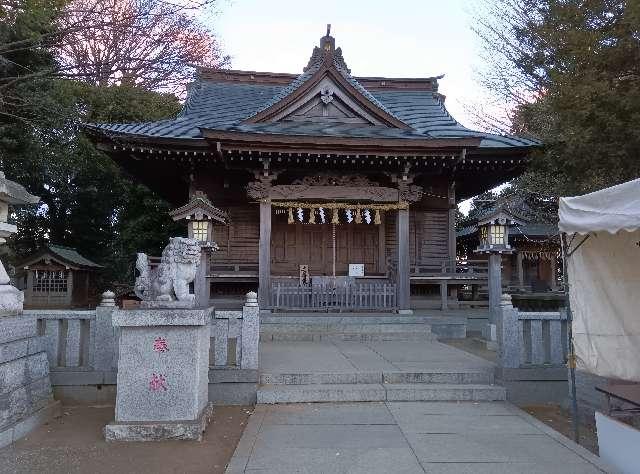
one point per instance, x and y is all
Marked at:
(72, 256)
(15, 193)
(223, 106)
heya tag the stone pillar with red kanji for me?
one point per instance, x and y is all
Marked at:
(163, 363)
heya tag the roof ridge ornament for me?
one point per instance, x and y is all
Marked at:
(327, 51)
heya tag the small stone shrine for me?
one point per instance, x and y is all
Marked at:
(26, 399)
(163, 353)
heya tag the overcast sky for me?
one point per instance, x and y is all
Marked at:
(401, 38)
(392, 38)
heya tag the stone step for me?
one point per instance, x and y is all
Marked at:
(442, 326)
(317, 331)
(310, 336)
(270, 394)
(431, 377)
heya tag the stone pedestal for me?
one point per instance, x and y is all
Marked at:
(163, 364)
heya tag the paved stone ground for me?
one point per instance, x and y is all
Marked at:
(405, 437)
(350, 356)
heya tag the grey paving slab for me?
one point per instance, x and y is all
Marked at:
(338, 461)
(409, 437)
(510, 468)
(399, 409)
(329, 436)
(291, 357)
(349, 356)
(374, 413)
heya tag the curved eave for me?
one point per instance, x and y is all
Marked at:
(267, 141)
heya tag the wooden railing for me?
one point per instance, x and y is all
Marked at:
(326, 296)
(448, 266)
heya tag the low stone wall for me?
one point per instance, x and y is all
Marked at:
(81, 350)
(533, 348)
(26, 399)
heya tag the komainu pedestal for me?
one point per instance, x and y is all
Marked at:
(163, 365)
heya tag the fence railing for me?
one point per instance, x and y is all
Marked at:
(340, 297)
(86, 340)
(531, 338)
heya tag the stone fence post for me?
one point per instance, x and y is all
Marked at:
(250, 332)
(105, 355)
(508, 334)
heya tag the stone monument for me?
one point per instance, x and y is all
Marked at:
(26, 399)
(163, 353)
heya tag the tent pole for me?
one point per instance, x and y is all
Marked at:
(571, 357)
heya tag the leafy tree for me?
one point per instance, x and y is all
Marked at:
(569, 72)
(86, 202)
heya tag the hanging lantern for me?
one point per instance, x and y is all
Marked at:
(335, 219)
(358, 216)
(377, 220)
(290, 219)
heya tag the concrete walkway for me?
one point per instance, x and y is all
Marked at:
(362, 357)
(404, 437)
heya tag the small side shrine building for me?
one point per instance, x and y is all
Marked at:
(58, 277)
(532, 263)
(334, 188)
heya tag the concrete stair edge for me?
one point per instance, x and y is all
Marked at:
(272, 394)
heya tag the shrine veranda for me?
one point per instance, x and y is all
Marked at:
(308, 174)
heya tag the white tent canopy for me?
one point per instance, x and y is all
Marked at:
(609, 210)
(604, 279)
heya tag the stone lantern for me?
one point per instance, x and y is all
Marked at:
(11, 193)
(493, 231)
(200, 215)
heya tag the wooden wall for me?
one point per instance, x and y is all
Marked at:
(296, 244)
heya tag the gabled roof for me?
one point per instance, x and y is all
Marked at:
(199, 207)
(247, 102)
(66, 255)
(14, 193)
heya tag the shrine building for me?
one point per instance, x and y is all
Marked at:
(323, 190)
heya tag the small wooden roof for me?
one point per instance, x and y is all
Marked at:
(199, 208)
(14, 193)
(65, 256)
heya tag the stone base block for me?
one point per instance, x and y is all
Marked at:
(167, 304)
(161, 430)
(26, 425)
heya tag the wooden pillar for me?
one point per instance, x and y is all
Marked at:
(264, 255)
(402, 234)
(520, 269)
(495, 285)
(452, 238)
(553, 282)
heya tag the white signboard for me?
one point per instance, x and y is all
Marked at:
(356, 269)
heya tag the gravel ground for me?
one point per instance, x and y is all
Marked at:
(73, 443)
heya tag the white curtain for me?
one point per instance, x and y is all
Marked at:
(604, 281)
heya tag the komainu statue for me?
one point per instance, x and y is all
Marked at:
(170, 280)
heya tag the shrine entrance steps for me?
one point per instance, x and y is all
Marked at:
(426, 326)
(339, 370)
